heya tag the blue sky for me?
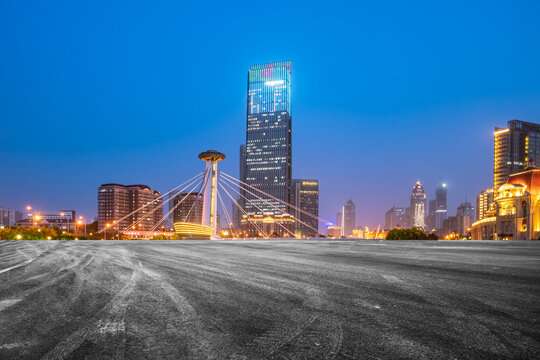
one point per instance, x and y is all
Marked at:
(384, 93)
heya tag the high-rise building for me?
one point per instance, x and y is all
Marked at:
(483, 203)
(397, 218)
(305, 196)
(116, 201)
(8, 217)
(514, 148)
(466, 209)
(418, 206)
(389, 219)
(188, 207)
(430, 218)
(348, 218)
(440, 207)
(268, 137)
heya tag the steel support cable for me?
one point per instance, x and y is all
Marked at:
(170, 211)
(203, 190)
(156, 208)
(243, 211)
(153, 201)
(226, 213)
(262, 211)
(272, 205)
(274, 198)
(231, 225)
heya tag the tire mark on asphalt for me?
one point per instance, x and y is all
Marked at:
(191, 325)
(110, 320)
(4, 304)
(317, 336)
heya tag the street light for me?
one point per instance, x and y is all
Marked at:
(19, 237)
(2, 236)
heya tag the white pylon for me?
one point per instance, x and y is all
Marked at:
(210, 193)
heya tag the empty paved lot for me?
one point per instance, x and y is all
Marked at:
(269, 299)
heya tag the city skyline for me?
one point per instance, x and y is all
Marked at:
(64, 123)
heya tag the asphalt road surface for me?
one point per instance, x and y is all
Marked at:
(269, 299)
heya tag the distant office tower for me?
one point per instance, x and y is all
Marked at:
(188, 208)
(397, 218)
(418, 206)
(305, 196)
(268, 136)
(466, 209)
(339, 219)
(440, 207)
(348, 218)
(389, 219)
(8, 217)
(457, 225)
(430, 218)
(514, 147)
(116, 201)
(483, 203)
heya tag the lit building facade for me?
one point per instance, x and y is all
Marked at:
(305, 196)
(348, 222)
(484, 200)
(268, 158)
(515, 214)
(64, 219)
(514, 147)
(418, 206)
(116, 201)
(333, 231)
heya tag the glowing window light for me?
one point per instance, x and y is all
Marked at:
(273, 83)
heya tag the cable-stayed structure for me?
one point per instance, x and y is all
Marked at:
(205, 190)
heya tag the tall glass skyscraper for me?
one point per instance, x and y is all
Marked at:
(268, 136)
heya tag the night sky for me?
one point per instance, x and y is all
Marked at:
(384, 94)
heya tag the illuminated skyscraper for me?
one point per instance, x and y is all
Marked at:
(418, 206)
(268, 136)
(305, 196)
(514, 147)
(348, 218)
